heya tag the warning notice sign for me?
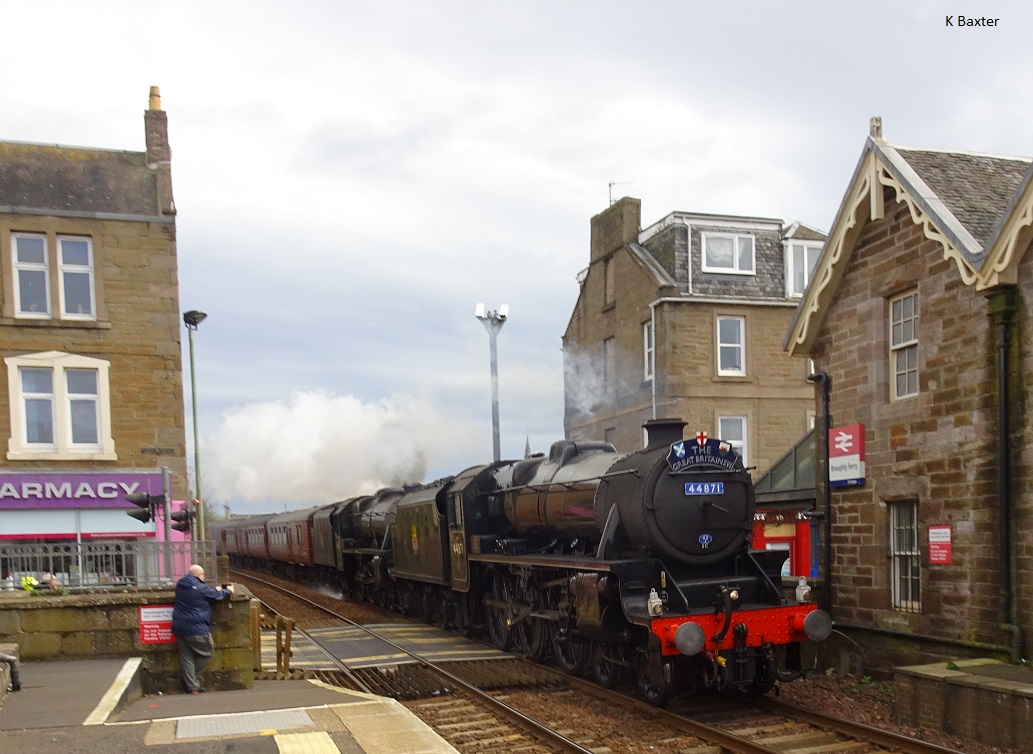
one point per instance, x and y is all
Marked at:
(156, 624)
(940, 546)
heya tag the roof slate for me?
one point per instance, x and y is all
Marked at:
(804, 233)
(975, 188)
(77, 180)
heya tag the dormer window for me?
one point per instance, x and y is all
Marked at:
(801, 259)
(728, 253)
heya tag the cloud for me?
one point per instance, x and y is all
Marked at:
(315, 447)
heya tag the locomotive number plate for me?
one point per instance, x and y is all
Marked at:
(704, 488)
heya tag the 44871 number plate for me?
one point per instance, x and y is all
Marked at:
(704, 488)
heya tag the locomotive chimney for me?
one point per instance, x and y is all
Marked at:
(661, 433)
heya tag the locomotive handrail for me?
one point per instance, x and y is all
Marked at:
(548, 485)
(726, 604)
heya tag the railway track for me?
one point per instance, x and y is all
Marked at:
(701, 725)
(772, 725)
(468, 718)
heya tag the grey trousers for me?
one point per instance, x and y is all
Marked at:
(194, 653)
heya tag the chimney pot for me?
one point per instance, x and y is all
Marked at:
(155, 103)
(663, 432)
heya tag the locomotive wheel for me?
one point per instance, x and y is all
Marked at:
(499, 627)
(604, 668)
(536, 636)
(571, 652)
(654, 694)
(530, 635)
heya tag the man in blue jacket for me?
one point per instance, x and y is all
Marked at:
(192, 625)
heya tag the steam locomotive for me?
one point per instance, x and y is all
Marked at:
(622, 564)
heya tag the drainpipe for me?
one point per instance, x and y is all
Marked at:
(652, 335)
(826, 387)
(1002, 306)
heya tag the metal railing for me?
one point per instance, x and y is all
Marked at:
(105, 564)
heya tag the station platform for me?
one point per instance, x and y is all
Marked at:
(89, 706)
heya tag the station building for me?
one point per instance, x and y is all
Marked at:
(920, 313)
(685, 319)
(89, 335)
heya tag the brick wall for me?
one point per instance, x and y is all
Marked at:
(137, 331)
(992, 711)
(593, 407)
(774, 395)
(1021, 385)
(935, 448)
(108, 625)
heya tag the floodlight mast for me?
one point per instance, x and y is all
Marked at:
(192, 319)
(493, 321)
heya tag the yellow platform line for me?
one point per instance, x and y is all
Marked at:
(318, 742)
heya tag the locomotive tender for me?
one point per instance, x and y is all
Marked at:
(633, 563)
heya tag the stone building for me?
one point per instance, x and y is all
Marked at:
(686, 319)
(919, 313)
(89, 333)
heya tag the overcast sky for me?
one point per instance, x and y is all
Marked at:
(352, 178)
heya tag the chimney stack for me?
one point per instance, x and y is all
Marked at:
(662, 433)
(159, 154)
(615, 227)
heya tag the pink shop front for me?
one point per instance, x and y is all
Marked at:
(55, 507)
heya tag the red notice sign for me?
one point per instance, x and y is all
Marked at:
(156, 624)
(940, 545)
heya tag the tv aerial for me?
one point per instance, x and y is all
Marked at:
(617, 183)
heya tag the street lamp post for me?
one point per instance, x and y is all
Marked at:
(192, 319)
(493, 322)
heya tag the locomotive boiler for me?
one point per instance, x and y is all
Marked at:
(635, 565)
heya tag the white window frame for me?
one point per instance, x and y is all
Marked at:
(905, 559)
(808, 247)
(53, 259)
(647, 350)
(902, 347)
(19, 267)
(736, 268)
(18, 447)
(38, 396)
(76, 269)
(741, 346)
(741, 446)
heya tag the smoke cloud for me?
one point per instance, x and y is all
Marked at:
(315, 448)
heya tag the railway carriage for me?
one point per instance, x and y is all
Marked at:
(290, 540)
(253, 539)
